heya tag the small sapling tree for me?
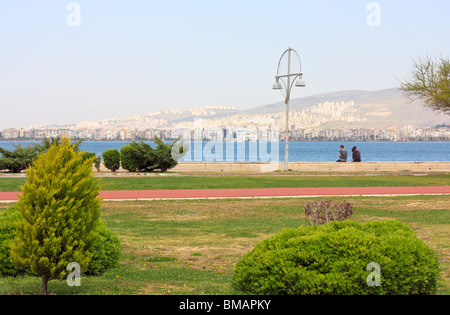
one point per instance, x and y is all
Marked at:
(60, 213)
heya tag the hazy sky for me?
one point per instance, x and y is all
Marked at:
(133, 56)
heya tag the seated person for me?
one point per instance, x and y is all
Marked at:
(342, 155)
(356, 155)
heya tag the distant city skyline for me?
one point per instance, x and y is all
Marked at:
(64, 62)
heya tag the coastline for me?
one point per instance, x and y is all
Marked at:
(277, 169)
(322, 168)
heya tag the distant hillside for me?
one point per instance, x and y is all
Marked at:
(380, 109)
(184, 116)
(370, 109)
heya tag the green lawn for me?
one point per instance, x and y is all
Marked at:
(191, 247)
(217, 182)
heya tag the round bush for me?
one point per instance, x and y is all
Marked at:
(111, 159)
(107, 249)
(334, 258)
(129, 158)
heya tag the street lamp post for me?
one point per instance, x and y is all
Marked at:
(288, 82)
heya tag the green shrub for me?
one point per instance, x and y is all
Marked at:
(19, 159)
(129, 158)
(98, 162)
(7, 233)
(60, 212)
(165, 155)
(107, 249)
(46, 143)
(88, 155)
(140, 157)
(333, 259)
(111, 159)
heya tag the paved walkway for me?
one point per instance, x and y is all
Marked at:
(259, 193)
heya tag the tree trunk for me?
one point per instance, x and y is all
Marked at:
(44, 285)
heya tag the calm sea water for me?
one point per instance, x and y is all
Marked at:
(298, 151)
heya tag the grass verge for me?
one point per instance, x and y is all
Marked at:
(224, 182)
(191, 247)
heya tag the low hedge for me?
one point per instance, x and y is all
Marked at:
(334, 258)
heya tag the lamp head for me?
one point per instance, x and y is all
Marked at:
(300, 82)
(277, 85)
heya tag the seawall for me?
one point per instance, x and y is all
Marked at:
(313, 167)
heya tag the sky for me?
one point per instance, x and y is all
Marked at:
(68, 61)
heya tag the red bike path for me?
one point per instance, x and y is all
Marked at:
(259, 193)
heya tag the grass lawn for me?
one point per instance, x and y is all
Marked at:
(218, 182)
(190, 247)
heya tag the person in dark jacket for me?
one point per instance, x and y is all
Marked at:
(356, 155)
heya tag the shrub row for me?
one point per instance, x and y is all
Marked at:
(134, 157)
(21, 158)
(141, 157)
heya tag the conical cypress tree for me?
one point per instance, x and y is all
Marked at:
(61, 209)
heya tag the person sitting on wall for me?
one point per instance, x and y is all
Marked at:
(356, 155)
(342, 155)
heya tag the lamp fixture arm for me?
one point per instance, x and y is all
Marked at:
(281, 58)
(289, 88)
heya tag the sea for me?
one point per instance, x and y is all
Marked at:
(214, 151)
